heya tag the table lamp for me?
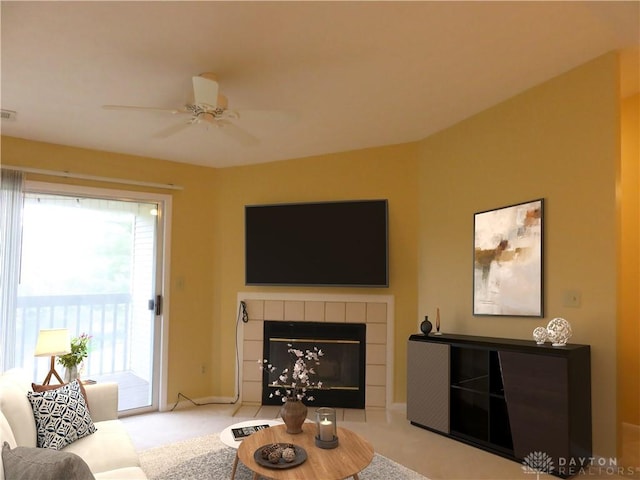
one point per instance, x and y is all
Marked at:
(52, 342)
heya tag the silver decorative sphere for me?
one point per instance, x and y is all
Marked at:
(539, 335)
(559, 331)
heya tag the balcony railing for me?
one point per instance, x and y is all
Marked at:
(106, 317)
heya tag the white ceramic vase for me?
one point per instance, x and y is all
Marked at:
(70, 373)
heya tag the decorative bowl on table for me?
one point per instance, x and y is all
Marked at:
(280, 455)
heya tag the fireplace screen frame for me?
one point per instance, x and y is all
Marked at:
(309, 331)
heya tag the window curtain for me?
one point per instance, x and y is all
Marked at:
(11, 201)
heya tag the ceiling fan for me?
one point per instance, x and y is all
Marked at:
(209, 106)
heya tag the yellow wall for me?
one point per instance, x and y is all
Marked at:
(387, 172)
(207, 260)
(191, 310)
(558, 141)
(629, 276)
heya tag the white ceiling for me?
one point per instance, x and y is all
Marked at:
(355, 74)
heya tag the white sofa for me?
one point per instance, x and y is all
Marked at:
(108, 452)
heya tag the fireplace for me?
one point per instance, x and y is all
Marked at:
(342, 369)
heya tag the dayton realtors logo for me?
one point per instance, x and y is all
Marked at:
(541, 462)
(537, 462)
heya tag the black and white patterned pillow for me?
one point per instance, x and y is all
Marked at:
(61, 415)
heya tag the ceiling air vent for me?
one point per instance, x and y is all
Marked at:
(7, 114)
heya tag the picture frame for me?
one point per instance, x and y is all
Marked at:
(508, 260)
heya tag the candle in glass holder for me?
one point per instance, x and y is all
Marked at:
(326, 430)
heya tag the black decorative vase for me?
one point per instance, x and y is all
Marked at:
(426, 326)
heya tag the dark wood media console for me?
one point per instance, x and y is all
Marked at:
(509, 397)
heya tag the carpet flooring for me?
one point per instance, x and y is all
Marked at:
(207, 458)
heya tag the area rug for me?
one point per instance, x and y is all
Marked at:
(207, 458)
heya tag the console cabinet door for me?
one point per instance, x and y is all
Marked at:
(428, 385)
(537, 391)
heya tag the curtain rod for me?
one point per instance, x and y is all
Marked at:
(68, 174)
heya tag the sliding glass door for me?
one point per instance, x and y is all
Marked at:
(92, 264)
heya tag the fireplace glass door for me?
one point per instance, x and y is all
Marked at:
(341, 370)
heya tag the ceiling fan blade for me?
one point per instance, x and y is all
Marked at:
(240, 135)
(172, 130)
(144, 109)
(205, 91)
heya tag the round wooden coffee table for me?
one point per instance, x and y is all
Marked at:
(349, 458)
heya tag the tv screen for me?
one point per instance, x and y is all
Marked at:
(342, 243)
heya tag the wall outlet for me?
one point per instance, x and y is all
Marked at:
(571, 298)
(202, 368)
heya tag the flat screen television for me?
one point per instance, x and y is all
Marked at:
(340, 243)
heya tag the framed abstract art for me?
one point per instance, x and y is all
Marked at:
(508, 260)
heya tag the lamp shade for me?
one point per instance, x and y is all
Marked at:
(55, 341)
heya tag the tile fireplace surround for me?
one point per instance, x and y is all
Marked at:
(374, 310)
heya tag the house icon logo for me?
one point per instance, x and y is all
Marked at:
(537, 462)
